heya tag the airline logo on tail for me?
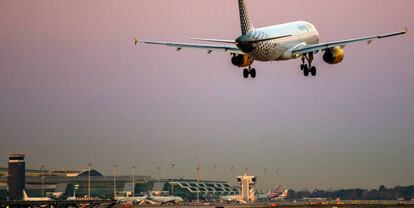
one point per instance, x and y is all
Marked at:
(246, 25)
(284, 195)
(277, 193)
(274, 192)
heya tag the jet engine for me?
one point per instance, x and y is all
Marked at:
(334, 55)
(241, 60)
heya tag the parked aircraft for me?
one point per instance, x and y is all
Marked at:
(27, 198)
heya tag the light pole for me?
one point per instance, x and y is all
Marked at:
(42, 177)
(159, 173)
(89, 180)
(172, 179)
(214, 181)
(264, 178)
(231, 172)
(114, 181)
(133, 180)
(198, 183)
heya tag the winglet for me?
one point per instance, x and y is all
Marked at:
(406, 30)
(135, 41)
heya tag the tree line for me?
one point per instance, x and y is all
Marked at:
(382, 193)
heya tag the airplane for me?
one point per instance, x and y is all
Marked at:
(131, 199)
(280, 42)
(275, 194)
(27, 198)
(282, 196)
(316, 200)
(270, 194)
(169, 200)
(233, 198)
(148, 198)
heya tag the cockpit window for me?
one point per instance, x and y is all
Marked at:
(302, 27)
(305, 27)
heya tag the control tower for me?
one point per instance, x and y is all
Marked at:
(16, 178)
(247, 187)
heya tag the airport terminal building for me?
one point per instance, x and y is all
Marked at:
(62, 184)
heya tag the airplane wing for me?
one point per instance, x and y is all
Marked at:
(323, 46)
(209, 48)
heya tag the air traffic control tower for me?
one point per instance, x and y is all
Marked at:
(247, 187)
(16, 178)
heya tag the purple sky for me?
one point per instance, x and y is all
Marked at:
(74, 90)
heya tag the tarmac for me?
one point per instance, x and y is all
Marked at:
(113, 204)
(273, 205)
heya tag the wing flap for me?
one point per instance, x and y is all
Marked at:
(214, 40)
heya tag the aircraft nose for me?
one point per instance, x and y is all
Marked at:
(243, 43)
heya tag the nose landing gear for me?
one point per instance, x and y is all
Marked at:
(249, 71)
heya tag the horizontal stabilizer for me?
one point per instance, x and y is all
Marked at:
(267, 39)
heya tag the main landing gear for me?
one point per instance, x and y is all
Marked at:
(249, 71)
(308, 68)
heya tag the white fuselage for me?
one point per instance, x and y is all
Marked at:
(37, 199)
(167, 199)
(301, 33)
(130, 199)
(27, 198)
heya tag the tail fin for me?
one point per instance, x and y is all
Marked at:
(285, 193)
(148, 192)
(246, 25)
(274, 192)
(25, 196)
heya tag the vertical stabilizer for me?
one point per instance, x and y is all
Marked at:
(284, 194)
(148, 192)
(25, 196)
(246, 25)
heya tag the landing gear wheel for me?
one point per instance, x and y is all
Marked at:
(313, 71)
(253, 73)
(306, 70)
(246, 73)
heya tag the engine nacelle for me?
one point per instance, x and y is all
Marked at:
(334, 55)
(241, 60)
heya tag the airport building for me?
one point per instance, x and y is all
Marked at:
(63, 184)
(206, 190)
(16, 176)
